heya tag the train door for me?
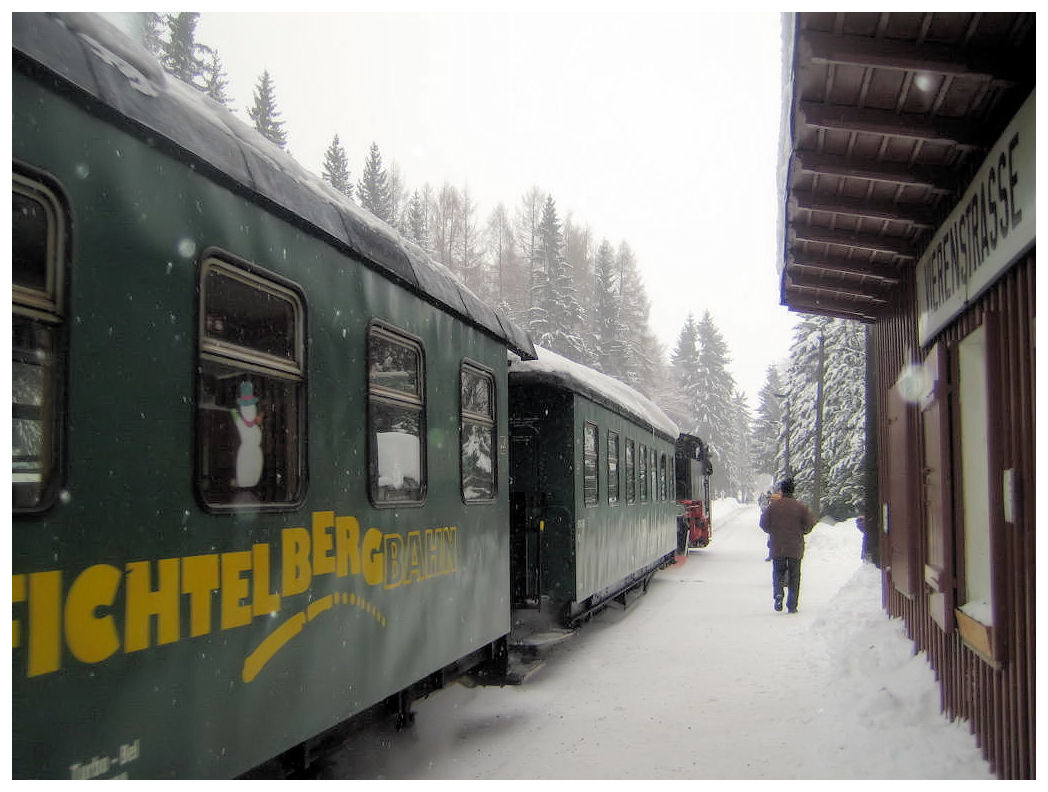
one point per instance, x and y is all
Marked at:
(526, 509)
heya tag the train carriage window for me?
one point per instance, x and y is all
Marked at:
(643, 472)
(590, 458)
(613, 467)
(478, 428)
(396, 418)
(251, 389)
(663, 478)
(631, 481)
(38, 234)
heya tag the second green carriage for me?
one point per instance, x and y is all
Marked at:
(594, 510)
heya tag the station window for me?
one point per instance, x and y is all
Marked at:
(477, 433)
(643, 472)
(590, 454)
(613, 467)
(251, 389)
(976, 593)
(38, 231)
(396, 417)
(631, 481)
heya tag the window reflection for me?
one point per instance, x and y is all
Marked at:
(478, 434)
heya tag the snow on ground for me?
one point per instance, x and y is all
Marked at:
(701, 679)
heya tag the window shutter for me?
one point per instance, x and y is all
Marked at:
(937, 488)
(901, 513)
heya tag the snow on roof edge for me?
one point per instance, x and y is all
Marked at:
(594, 385)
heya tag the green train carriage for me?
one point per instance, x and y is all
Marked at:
(236, 402)
(594, 510)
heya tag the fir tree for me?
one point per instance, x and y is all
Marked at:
(335, 169)
(577, 254)
(827, 438)
(213, 76)
(606, 303)
(768, 426)
(684, 363)
(397, 195)
(556, 315)
(153, 25)
(641, 353)
(715, 387)
(373, 187)
(180, 55)
(264, 113)
(417, 226)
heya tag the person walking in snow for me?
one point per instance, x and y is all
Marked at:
(787, 521)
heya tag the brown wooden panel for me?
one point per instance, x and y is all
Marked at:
(938, 489)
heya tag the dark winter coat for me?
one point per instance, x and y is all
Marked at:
(786, 521)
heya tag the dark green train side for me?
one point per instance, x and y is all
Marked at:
(594, 506)
(260, 445)
(271, 466)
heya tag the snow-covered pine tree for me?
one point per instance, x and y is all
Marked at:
(180, 54)
(682, 398)
(577, 254)
(844, 419)
(335, 169)
(264, 112)
(605, 315)
(714, 414)
(398, 193)
(641, 353)
(556, 317)
(373, 187)
(213, 77)
(418, 220)
(767, 426)
(740, 473)
(153, 24)
(840, 455)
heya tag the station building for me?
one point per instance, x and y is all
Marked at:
(908, 202)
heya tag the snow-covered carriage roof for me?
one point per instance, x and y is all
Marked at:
(615, 395)
(92, 55)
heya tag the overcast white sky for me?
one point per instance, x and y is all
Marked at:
(660, 129)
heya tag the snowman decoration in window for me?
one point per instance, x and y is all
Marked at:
(248, 421)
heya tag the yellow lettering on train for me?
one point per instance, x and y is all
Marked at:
(143, 602)
(263, 600)
(235, 590)
(347, 546)
(295, 554)
(371, 553)
(107, 609)
(91, 637)
(323, 543)
(199, 580)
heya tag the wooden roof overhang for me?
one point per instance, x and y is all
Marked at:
(887, 116)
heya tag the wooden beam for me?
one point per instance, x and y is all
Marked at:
(885, 122)
(823, 307)
(939, 180)
(805, 283)
(905, 56)
(828, 236)
(914, 214)
(886, 273)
